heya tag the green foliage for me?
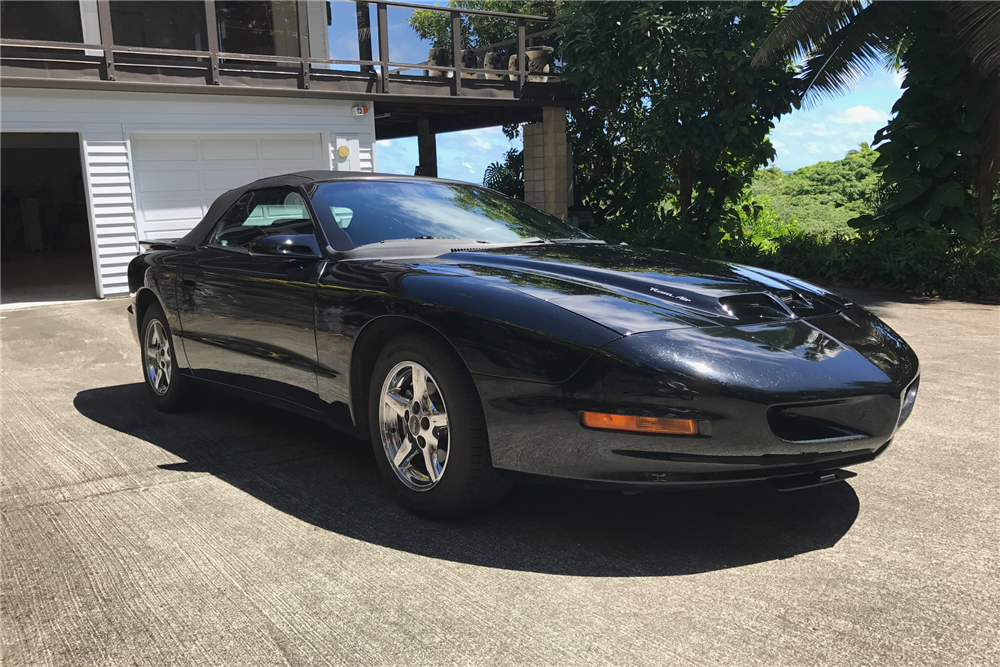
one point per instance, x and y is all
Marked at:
(936, 263)
(507, 176)
(932, 146)
(672, 125)
(477, 30)
(823, 198)
(930, 226)
(761, 225)
(933, 264)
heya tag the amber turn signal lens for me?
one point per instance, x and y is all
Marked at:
(639, 424)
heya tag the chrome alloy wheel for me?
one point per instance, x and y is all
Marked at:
(158, 360)
(413, 421)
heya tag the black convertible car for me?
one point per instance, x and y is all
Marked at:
(473, 338)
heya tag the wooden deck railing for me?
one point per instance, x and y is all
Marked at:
(27, 59)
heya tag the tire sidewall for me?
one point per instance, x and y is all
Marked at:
(453, 485)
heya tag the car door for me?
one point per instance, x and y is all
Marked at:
(248, 316)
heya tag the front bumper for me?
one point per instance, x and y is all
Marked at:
(767, 411)
(536, 432)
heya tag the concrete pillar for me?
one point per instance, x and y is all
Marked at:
(546, 163)
(427, 149)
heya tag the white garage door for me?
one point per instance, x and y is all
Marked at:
(178, 176)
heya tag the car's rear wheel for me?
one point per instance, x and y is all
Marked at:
(428, 430)
(169, 390)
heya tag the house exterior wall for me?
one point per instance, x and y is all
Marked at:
(107, 121)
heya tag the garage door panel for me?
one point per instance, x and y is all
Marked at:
(229, 149)
(146, 150)
(167, 211)
(168, 180)
(289, 149)
(226, 179)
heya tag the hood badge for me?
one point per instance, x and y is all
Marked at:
(665, 293)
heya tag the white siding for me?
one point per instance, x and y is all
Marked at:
(360, 154)
(105, 158)
(109, 121)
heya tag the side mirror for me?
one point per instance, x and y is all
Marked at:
(286, 245)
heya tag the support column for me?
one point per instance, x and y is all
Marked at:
(427, 149)
(546, 163)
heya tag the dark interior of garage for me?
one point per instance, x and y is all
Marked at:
(45, 239)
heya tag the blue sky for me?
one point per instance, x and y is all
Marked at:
(824, 131)
(827, 130)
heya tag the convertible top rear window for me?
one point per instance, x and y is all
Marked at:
(373, 211)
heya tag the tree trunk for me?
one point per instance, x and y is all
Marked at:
(984, 176)
(684, 168)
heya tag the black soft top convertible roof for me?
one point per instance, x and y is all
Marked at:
(201, 231)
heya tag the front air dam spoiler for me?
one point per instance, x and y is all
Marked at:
(809, 480)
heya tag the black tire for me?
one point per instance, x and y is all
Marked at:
(468, 483)
(181, 391)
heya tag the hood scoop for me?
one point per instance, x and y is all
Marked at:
(759, 307)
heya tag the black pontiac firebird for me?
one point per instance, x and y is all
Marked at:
(473, 338)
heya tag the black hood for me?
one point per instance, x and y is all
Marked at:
(633, 289)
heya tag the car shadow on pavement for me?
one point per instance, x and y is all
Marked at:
(308, 471)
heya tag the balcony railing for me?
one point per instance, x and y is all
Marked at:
(30, 62)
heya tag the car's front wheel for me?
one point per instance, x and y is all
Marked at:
(170, 390)
(428, 430)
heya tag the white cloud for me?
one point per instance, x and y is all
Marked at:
(777, 144)
(813, 148)
(469, 167)
(385, 143)
(808, 130)
(483, 139)
(856, 115)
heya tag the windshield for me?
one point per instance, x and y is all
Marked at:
(372, 211)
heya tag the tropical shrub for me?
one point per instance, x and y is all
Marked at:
(825, 197)
(507, 176)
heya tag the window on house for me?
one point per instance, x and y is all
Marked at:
(42, 21)
(268, 28)
(168, 24)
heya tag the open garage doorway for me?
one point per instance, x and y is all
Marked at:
(45, 240)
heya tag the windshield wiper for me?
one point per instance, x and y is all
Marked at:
(571, 241)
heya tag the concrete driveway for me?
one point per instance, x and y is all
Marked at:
(241, 536)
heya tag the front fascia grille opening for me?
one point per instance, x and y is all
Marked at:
(792, 426)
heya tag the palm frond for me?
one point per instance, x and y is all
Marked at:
(977, 27)
(855, 50)
(805, 28)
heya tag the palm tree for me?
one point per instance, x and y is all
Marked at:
(842, 41)
(507, 176)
